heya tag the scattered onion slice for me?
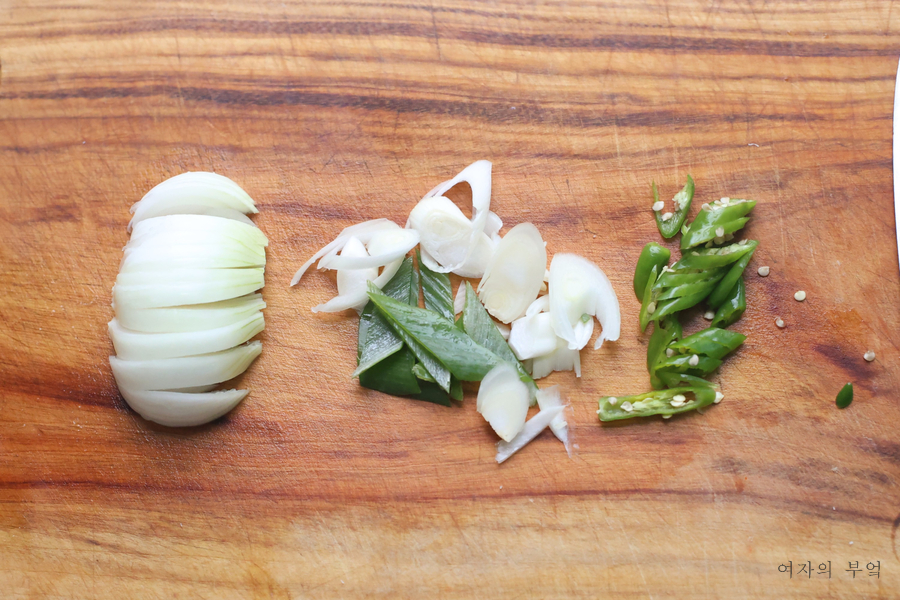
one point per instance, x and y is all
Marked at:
(530, 430)
(550, 398)
(503, 400)
(353, 281)
(136, 345)
(179, 409)
(392, 244)
(561, 359)
(578, 287)
(513, 277)
(532, 336)
(188, 371)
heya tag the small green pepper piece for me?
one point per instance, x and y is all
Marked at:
(658, 402)
(653, 255)
(682, 202)
(728, 218)
(713, 342)
(646, 315)
(672, 379)
(707, 258)
(733, 308)
(724, 287)
(681, 363)
(667, 330)
(845, 396)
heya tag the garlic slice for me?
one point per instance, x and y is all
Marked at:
(354, 281)
(136, 345)
(561, 359)
(363, 231)
(577, 288)
(178, 409)
(531, 430)
(503, 400)
(186, 371)
(550, 398)
(514, 274)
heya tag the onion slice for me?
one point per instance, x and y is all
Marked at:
(550, 398)
(578, 287)
(561, 359)
(189, 256)
(353, 281)
(179, 409)
(514, 275)
(183, 372)
(530, 430)
(503, 400)
(195, 317)
(363, 231)
(136, 345)
(532, 336)
(192, 225)
(184, 286)
(392, 244)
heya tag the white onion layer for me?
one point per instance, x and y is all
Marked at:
(550, 398)
(513, 277)
(184, 286)
(180, 256)
(503, 400)
(532, 336)
(391, 245)
(178, 409)
(578, 287)
(195, 317)
(561, 359)
(354, 281)
(136, 345)
(193, 225)
(187, 371)
(362, 231)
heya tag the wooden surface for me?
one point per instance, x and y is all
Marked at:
(329, 113)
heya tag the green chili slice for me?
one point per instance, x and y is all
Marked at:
(716, 220)
(733, 308)
(682, 202)
(653, 255)
(845, 396)
(658, 402)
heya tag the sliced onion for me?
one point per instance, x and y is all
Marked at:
(363, 231)
(445, 232)
(354, 281)
(578, 287)
(178, 239)
(390, 245)
(532, 336)
(192, 189)
(354, 299)
(561, 359)
(184, 256)
(196, 317)
(540, 305)
(199, 209)
(178, 409)
(503, 400)
(513, 277)
(136, 345)
(530, 430)
(187, 371)
(504, 330)
(185, 286)
(492, 226)
(550, 398)
(192, 225)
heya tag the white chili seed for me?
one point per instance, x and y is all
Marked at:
(800, 296)
(719, 397)
(658, 206)
(680, 398)
(720, 231)
(666, 216)
(651, 308)
(705, 206)
(709, 315)
(667, 416)
(613, 401)
(694, 360)
(779, 323)
(670, 353)
(627, 407)
(763, 271)
(869, 356)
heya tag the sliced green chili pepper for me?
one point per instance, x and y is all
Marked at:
(724, 287)
(646, 315)
(681, 363)
(672, 379)
(713, 342)
(717, 218)
(733, 308)
(665, 332)
(845, 396)
(653, 255)
(682, 202)
(658, 402)
(707, 258)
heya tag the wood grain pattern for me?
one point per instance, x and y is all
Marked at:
(329, 113)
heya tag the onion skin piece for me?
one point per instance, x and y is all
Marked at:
(136, 345)
(184, 372)
(515, 273)
(531, 429)
(579, 287)
(178, 409)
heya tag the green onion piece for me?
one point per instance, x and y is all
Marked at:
(717, 218)
(658, 402)
(713, 342)
(436, 290)
(682, 202)
(733, 308)
(392, 375)
(432, 335)
(845, 396)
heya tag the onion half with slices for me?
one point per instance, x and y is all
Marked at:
(185, 300)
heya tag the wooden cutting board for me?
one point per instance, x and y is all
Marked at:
(330, 113)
